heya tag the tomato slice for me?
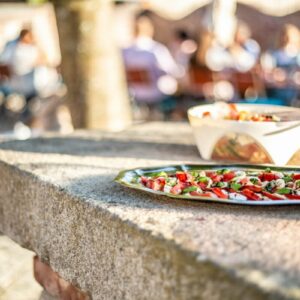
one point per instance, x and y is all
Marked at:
(161, 180)
(293, 197)
(202, 185)
(183, 185)
(296, 176)
(268, 177)
(181, 176)
(220, 193)
(154, 185)
(150, 184)
(159, 184)
(250, 195)
(244, 181)
(210, 174)
(272, 196)
(254, 188)
(216, 178)
(228, 176)
(197, 194)
(176, 190)
(144, 180)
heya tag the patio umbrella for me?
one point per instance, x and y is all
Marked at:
(177, 9)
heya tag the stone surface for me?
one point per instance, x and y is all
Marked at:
(58, 198)
(16, 275)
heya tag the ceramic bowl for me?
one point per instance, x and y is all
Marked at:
(246, 141)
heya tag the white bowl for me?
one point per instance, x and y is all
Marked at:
(277, 141)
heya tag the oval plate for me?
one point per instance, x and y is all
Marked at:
(125, 178)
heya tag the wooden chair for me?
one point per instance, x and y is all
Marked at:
(138, 76)
(198, 76)
(5, 72)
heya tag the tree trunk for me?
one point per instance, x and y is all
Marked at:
(91, 65)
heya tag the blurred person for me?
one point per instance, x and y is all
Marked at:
(19, 56)
(288, 54)
(244, 50)
(29, 73)
(232, 65)
(32, 78)
(282, 66)
(182, 48)
(153, 63)
(199, 74)
(205, 42)
(241, 55)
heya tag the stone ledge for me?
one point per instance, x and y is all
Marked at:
(121, 244)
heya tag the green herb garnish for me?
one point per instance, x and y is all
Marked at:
(235, 186)
(223, 171)
(254, 180)
(287, 178)
(284, 191)
(203, 179)
(221, 184)
(160, 174)
(194, 174)
(269, 187)
(190, 189)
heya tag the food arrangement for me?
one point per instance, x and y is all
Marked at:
(225, 183)
(246, 132)
(232, 113)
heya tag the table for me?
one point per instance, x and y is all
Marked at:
(58, 198)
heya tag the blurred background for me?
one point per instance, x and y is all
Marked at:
(101, 64)
(104, 64)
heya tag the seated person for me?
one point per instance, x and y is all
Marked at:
(30, 75)
(153, 61)
(241, 55)
(281, 64)
(182, 48)
(288, 54)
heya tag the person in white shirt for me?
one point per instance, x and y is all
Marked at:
(30, 75)
(241, 55)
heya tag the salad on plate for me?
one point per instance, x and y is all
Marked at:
(225, 184)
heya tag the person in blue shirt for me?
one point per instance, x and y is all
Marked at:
(285, 64)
